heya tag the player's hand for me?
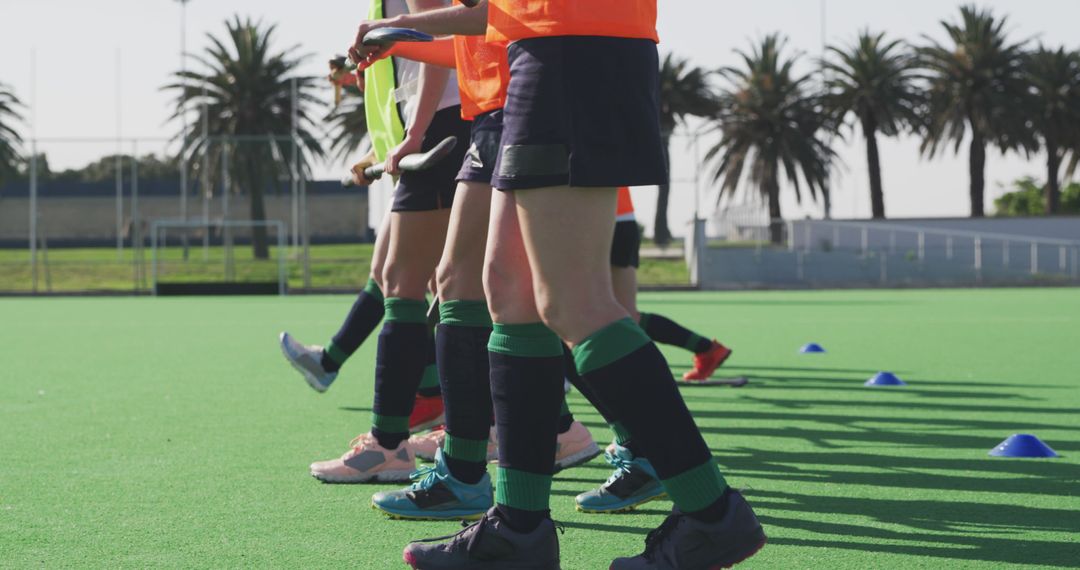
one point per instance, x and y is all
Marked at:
(359, 52)
(411, 145)
(359, 75)
(357, 171)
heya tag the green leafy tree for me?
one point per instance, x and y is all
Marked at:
(769, 122)
(684, 92)
(1027, 199)
(873, 81)
(10, 140)
(976, 91)
(243, 96)
(347, 125)
(1054, 78)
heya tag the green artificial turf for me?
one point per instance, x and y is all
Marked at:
(171, 433)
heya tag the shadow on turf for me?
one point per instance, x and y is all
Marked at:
(781, 302)
(945, 529)
(975, 474)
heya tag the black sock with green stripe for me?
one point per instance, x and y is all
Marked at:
(526, 388)
(429, 383)
(461, 341)
(364, 316)
(622, 435)
(398, 371)
(664, 330)
(631, 377)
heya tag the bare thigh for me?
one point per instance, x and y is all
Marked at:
(416, 243)
(567, 234)
(624, 281)
(461, 270)
(507, 278)
(382, 247)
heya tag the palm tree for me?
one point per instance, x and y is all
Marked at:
(873, 81)
(10, 141)
(975, 83)
(347, 124)
(1054, 78)
(767, 122)
(244, 95)
(684, 91)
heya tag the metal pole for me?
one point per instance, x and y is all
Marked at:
(207, 188)
(226, 230)
(153, 258)
(119, 165)
(1076, 270)
(1063, 263)
(136, 235)
(1005, 254)
(295, 170)
(948, 247)
(184, 119)
(865, 239)
(282, 241)
(33, 214)
(307, 233)
(978, 259)
(33, 170)
(922, 247)
(1034, 258)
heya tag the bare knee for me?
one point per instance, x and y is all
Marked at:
(399, 280)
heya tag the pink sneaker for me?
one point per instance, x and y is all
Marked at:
(367, 461)
(425, 445)
(575, 447)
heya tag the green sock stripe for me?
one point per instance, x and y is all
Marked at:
(522, 490)
(462, 449)
(697, 488)
(390, 424)
(695, 340)
(533, 340)
(608, 345)
(406, 310)
(430, 378)
(372, 289)
(622, 435)
(465, 314)
(565, 410)
(336, 354)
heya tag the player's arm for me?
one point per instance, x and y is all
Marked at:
(456, 20)
(432, 85)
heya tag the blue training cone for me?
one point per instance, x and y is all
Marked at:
(1023, 445)
(885, 379)
(812, 348)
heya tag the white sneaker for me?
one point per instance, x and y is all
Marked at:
(308, 361)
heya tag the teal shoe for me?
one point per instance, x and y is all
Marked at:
(436, 495)
(633, 483)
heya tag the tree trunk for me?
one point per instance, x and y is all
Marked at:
(873, 162)
(1052, 199)
(978, 174)
(259, 247)
(661, 230)
(776, 222)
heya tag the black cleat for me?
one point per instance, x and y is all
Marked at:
(488, 544)
(683, 543)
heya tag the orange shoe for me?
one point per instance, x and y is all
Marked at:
(707, 362)
(427, 413)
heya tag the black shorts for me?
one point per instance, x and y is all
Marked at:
(581, 111)
(433, 189)
(626, 245)
(479, 164)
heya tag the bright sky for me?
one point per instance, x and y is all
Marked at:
(77, 45)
